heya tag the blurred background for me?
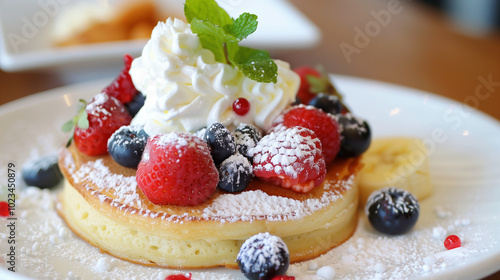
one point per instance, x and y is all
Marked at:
(447, 47)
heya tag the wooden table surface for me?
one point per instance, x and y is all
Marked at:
(413, 45)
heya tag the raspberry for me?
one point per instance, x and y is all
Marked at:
(290, 157)
(324, 126)
(177, 169)
(122, 87)
(105, 114)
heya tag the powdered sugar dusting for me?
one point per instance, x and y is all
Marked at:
(248, 205)
(283, 148)
(262, 251)
(124, 188)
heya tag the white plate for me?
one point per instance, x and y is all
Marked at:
(464, 163)
(25, 33)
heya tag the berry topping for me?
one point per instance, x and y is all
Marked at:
(179, 277)
(235, 173)
(263, 256)
(246, 137)
(96, 122)
(4, 209)
(122, 87)
(324, 126)
(126, 145)
(355, 135)
(135, 104)
(305, 94)
(42, 172)
(177, 169)
(241, 106)
(283, 277)
(392, 211)
(452, 242)
(312, 82)
(290, 157)
(221, 142)
(328, 103)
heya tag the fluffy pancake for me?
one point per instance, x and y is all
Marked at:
(103, 205)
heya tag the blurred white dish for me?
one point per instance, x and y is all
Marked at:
(26, 41)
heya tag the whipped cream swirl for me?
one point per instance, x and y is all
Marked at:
(187, 89)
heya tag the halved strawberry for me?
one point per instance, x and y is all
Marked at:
(177, 169)
(291, 158)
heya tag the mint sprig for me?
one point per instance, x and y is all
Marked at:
(81, 120)
(220, 33)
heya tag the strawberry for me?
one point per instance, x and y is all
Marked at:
(96, 122)
(313, 82)
(177, 169)
(305, 94)
(122, 87)
(290, 157)
(324, 125)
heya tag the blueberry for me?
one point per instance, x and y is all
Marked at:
(127, 144)
(135, 104)
(235, 173)
(42, 172)
(221, 142)
(263, 256)
(392, 211)
(355, 135)
(327, 102)
(246, 137)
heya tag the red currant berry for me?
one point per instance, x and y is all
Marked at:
(241, 106)
(452, 242)
(283, 277)
(179, 277)
(4, 209)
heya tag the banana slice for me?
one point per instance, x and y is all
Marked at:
(398, 162)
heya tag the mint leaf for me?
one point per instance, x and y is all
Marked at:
(68, 126)
(256, 65)
(213, 38)
(206, 10)
(80, 120)
(219, 33)
(243, 26)
(83, 121)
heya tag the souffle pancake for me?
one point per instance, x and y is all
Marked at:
(103, 205)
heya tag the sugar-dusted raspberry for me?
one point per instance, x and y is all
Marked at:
(290, 157)
(324, 125)
(122, 87)
(177, 169)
